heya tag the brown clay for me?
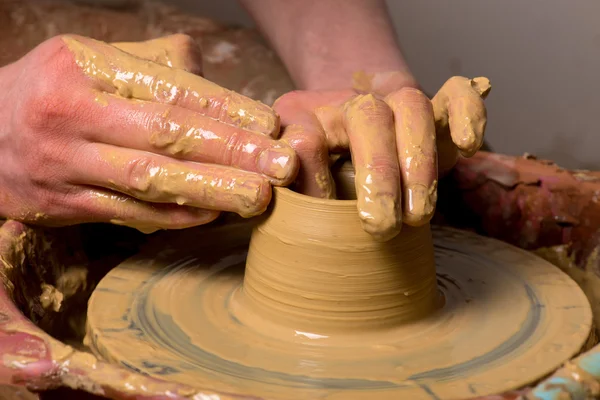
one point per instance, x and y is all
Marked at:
(131, 77)
(303, 323)
(312, 267)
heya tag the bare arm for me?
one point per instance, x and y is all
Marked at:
(324, 42)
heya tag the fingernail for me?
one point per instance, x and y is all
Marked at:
(252, 197)
(420, 203)
(252, 115)
(278, 163)
(380, 217)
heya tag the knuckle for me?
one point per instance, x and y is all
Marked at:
(457, 86)
(182, 40)
(138, 175)
(190, 52)
(44, 111)
(48, 202)
(44, 164)
(306, 143)
(164, 91)
(35, 168)
(165, 133)
(53, 199)
(369, 107)
(220, 106)
(456, 81)
(409, 97)
(288, 100)
(233, 150)
(186, 44)
(312, 144)
(45, 104)
(55, 59)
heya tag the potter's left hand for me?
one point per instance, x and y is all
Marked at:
(399, 139)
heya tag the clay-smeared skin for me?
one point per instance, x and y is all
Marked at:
(167, 51)
(135, 78)
(370, 125)
(417, 153)
(209, 187)
(429, 137)
(196, 136)
(460, 118)
(179, 312)
(92, 103)
(172, 183)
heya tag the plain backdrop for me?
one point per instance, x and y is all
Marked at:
(542, 56)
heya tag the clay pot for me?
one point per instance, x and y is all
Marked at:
(311, 266)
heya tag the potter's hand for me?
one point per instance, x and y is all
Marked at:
(396, 136)
(91, 133)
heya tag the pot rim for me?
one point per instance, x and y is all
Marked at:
(295, 196)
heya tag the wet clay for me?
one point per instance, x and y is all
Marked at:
(166, 51)
(204, 135)
(378, 189)
(302, 322)
(221, 187)
(132, 77)
(389, 113)
(327, 277)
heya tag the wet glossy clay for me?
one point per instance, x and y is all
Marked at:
(312, 267)
(321, 310)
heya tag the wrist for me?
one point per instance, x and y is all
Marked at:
(315, 65)
(323, 43)
(344, 74)
(384, 83)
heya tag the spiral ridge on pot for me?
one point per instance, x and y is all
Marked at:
(310, 265)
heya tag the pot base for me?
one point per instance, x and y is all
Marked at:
(508, 319)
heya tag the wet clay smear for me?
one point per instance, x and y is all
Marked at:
(500, 319)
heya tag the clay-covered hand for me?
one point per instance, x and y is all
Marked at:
(128, 134)
(400, 142)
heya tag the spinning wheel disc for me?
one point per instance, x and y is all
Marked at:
(509, 318)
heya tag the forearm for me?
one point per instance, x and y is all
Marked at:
(324, 42)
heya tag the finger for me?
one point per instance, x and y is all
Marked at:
(369, 124)
(301, 107)
(175, 131)
(115, 71)
(417, 154)
(98, 205)
(459, 106)
(314, 178)
(332, 122)
(176, 51)
(158, 179)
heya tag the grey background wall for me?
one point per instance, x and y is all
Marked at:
(543, 57)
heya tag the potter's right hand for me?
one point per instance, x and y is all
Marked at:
(91, 133)
(401, 142)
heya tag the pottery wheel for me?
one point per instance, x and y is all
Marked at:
(177, 313)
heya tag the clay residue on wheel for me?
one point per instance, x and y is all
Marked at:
(182, 306)
(50, 272)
